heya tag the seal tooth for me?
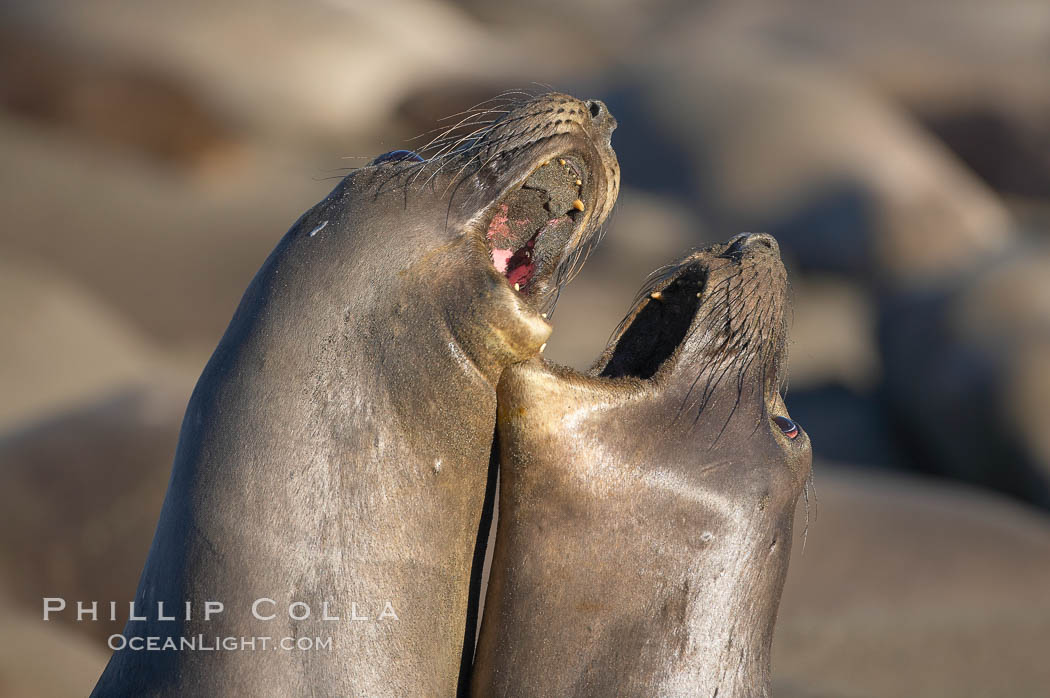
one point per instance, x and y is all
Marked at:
(543, 346)
(517, 287)
(656, 295)
(543, 315)
(578, 205)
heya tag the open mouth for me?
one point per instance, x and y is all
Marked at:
(719, 312)
(532, 226)
(660, 323)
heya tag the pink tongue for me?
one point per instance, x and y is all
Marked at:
(500, 259)
(520, 275)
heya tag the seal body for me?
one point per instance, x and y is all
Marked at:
(646, 508)
(331, 471)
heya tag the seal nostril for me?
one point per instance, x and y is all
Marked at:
(601, 118)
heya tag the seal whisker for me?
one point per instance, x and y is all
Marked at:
(468, 120)
(450, 143)
(805, 490)
(446, 133)
(473, 152)
(448, 140)
(503, 99)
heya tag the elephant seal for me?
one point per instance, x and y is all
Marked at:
(646, 508)
(330, 475)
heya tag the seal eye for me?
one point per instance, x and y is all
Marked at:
(789, 428)
(397, 156)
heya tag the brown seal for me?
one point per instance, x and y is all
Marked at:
(334, 457)
(646, 508)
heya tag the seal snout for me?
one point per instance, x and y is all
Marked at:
(762, 243)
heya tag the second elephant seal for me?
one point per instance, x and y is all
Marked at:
(646, 507)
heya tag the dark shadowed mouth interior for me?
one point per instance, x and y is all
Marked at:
(531, 226)
(660, 323)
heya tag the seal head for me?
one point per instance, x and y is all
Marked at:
(646, 507)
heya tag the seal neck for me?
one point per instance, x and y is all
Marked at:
(729, 599)
(485, 321)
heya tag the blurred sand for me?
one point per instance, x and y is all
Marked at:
(910, 588)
